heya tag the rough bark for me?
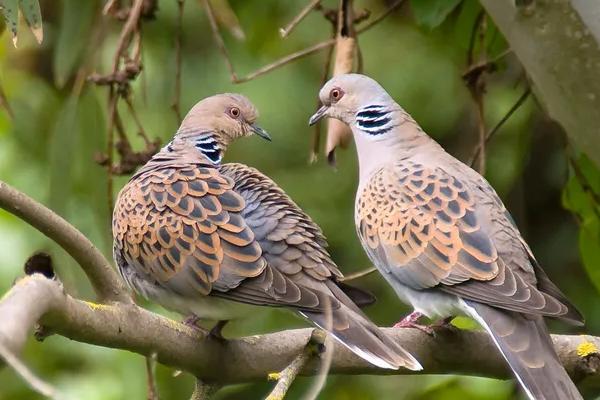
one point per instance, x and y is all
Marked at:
(251, 358)
(557, 43)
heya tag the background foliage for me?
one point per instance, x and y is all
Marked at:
(48, 150)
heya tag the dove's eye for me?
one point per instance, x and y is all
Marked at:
(336, 94)
(234, 112)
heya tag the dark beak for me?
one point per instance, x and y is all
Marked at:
(260, 132)
(318, 115)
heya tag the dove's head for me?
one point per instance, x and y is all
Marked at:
(214, 122)
(360, 102)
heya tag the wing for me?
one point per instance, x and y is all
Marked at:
(291, 242)
(181, 227)
(430, 229)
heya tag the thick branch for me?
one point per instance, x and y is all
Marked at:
(102, 276)
(557, 43)
(250, 358)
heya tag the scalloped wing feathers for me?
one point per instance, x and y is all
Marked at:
(431, 229)
(195, 229)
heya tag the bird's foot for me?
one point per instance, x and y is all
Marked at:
(216, 332)
(444, 323)
(192, 322)
(410, 321)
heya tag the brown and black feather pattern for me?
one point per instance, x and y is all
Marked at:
(437, 230)
(194, 229)
(432, 229)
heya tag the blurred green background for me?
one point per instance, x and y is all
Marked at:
(47, 150)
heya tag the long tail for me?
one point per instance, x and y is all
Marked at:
(526, 345)
(354, 330)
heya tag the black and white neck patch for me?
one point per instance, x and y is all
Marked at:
(208, 145)
(374, 120)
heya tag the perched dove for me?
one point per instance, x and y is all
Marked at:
(440, 235)
(213, 240)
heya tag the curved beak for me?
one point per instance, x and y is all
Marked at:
(321, 112)
(260, 132)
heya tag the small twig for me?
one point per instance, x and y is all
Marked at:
(474, 79)
(285, 378)
(321, 378)
(474, 31)
(43, 388)
(284, 32)
(137, 46)
(380, 17)
(325, 364)
(286, 60)
(128, 28)
(109, 6)
(479, 95)
(479, 101)
(176, 104)
(500, 123)
(120, 79)
(316, 136)
(110, 145)
(291, 57)
(204, 391)
(358, 274)
(138, 123)
(151, 377)
(218, 38)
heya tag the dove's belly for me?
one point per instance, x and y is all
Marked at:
(203, 307)
(208, 307)
(431, 303)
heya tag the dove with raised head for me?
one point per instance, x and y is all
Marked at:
(442, 238)
(213, 240)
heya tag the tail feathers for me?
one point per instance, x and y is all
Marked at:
(573, 316)
(360, 297)
(526, 345)
(363, 338)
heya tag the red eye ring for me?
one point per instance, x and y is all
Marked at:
(336, 94)
(234, 112)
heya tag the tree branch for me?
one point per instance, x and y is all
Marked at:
(29, 377)
(204, 391)
(36, 298)
(286, 377)
(562, 59)
(104, 279)
(284, 32)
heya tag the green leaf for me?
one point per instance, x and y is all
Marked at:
(33, 17)
(226, 16)
(76, 21)
(590, 172)
(31, 13)
(580, 195)
(589, 247)
(10, 11)
(431, 13)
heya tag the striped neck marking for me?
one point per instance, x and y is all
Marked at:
(374, 120)
(205, 142)
(208, 145)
